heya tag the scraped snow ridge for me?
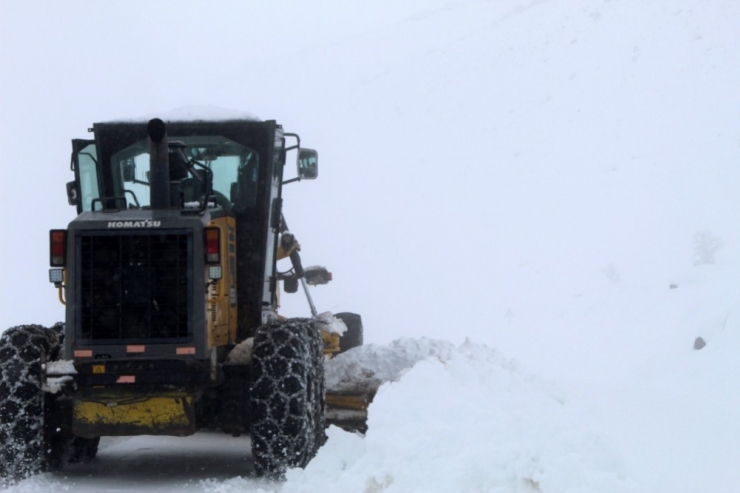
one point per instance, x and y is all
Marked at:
(365, 368)
(461, 419)
(456, 419)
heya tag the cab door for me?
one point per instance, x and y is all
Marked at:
(87, 177)
(269, 296)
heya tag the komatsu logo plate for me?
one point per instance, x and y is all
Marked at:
(134, 224)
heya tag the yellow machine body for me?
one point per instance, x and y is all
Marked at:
(114, 415)
(221, 294)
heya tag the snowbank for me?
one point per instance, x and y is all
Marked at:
(460, 419)
(365, 368)
(455, 419)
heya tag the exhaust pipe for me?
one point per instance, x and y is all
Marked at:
(159, 165)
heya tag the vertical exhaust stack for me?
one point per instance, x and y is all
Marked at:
(159, 165)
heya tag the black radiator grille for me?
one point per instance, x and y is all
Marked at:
(134, 286)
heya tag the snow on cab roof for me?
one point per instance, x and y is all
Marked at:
(193, 114)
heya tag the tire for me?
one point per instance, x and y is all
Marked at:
(31, 423)
(286, 396)
(81, 450)
(353, 337)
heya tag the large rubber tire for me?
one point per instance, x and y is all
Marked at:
(287, 395)
(79, 450)
(30, 420)
(353, 337)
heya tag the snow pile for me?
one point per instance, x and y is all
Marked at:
(242, 353)
(61, 367)
(331, 324)
(56, 384)
(365, 368)
(464, 419)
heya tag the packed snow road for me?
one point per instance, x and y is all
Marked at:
(157, 464)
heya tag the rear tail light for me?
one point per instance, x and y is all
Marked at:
(213, 245)
(58, 247)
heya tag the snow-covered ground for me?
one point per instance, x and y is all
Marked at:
(533, 204)
(451, 418)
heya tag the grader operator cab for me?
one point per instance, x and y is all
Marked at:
(169, 277)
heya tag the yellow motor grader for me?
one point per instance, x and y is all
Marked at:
(169, 277)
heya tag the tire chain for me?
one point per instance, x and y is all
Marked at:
(23, 349)
(29, 422)
(286, 396)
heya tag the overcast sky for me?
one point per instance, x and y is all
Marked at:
(474, 166)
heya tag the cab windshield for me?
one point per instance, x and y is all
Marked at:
(234, 169)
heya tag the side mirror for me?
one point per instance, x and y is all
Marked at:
(72, 195)
(308, 164)
(128, 170)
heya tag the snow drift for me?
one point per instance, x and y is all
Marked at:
(463, 419)
(452, 419)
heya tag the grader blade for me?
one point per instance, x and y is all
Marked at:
(348, 411)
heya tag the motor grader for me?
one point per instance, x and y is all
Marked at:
(171, 290)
